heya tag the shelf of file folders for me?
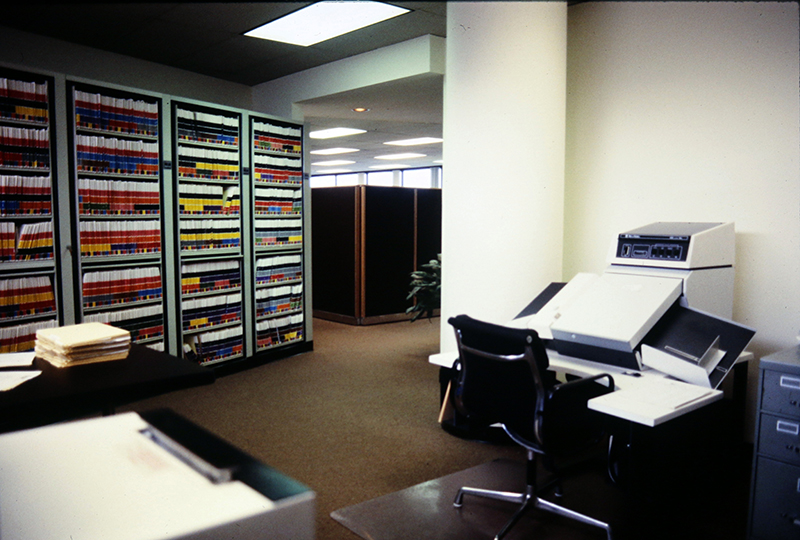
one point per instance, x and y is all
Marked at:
(278, 232)
(212, 310)
(26, 229)
(279, 331)
(279, 300)
(127, 298)
(274, 138)
(212, 327)
(26, 304)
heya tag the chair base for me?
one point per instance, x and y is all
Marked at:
(527, 501)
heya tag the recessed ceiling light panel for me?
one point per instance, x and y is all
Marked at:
(389, 166)
(334, 151)
(335, 132)
(325, 20)
(401, 156)
(334, 171)
(414, 142)
(333, 163)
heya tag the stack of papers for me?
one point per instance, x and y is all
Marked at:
(82, 344)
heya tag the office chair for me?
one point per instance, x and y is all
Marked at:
(501, 377)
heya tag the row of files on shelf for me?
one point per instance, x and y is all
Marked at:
(111, 155)
(22, 337)
(117, 197)
(108, 113)
(26, 296)
(26, 242)
(120, 286)
(24, 148)
(209, 199)
(210, 276)
(205, 127)
(24, 100)
(215, 345)
(104, 238)
(144, 322)
(25, 195)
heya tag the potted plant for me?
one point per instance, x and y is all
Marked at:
(426, 289)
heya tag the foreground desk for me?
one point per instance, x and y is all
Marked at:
(148, 477)
(59, 394)
(648, 397)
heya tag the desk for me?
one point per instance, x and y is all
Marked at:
(67, 393)
(649, 398)
(115, 478)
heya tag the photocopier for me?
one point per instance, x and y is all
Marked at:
(665, 302)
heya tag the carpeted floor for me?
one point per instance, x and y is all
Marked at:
(356, 420)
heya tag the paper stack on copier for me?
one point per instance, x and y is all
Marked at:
(82, 344)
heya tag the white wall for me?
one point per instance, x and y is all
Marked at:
(503, 190)
(420, 56)
(684, 111)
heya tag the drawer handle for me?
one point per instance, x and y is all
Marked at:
(790, 382)
(788, 427)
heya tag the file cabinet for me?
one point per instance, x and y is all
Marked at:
(775, 486)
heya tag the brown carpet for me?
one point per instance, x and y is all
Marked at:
(354, 419)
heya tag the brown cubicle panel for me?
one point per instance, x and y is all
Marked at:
(366, 241)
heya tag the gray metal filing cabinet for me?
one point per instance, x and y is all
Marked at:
(775, 488)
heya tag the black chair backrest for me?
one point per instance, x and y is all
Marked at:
(502, 376)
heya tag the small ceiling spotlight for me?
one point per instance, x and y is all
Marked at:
(360, 109)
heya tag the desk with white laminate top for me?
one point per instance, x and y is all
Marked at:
(648, 397)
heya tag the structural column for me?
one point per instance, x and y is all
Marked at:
(503, 189)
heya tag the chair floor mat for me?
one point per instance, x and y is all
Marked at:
(426, 511)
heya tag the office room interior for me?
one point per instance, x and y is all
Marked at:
(564, 124)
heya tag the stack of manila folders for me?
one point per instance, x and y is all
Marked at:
(84, 343)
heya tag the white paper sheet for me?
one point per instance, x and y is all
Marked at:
(16, 359)
(12, 379)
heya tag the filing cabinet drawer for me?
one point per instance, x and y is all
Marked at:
(780, 438)
(777, 501)
(781, 393)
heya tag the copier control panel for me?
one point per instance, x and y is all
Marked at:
(652, 247)
(676, 245)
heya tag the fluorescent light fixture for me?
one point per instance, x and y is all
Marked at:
(334, 151)
(401, 156)
(389, 166)
(334, 171)
(414, 142)
(333, 163)
(325, 20)
(335, 132)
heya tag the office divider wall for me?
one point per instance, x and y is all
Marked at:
(366, 242)
(175, 236)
